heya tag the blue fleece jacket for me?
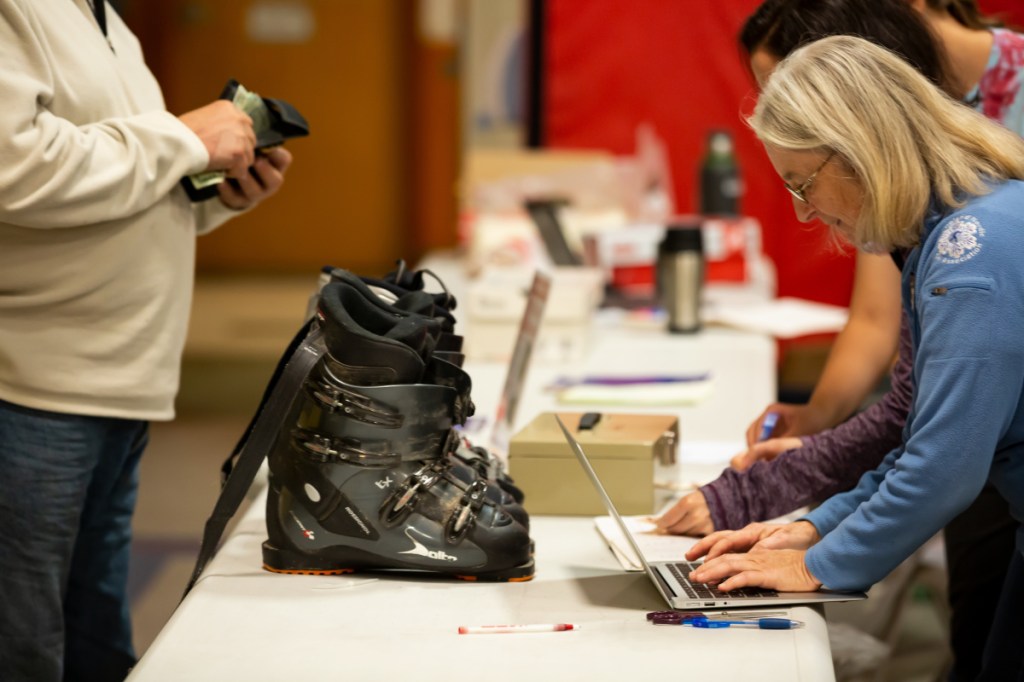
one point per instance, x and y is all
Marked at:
(963, 290)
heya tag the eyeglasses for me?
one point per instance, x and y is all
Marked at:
(800, 193)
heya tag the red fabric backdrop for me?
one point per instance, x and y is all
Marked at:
(614, 64)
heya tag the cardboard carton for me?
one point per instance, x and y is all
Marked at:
(626, 450)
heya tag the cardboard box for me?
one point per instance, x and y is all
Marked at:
(627, 451)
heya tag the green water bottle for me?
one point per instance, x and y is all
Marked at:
(720, 184)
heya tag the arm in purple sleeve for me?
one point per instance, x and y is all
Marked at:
(829, 462)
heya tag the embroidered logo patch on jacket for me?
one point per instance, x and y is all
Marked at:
(960, 240)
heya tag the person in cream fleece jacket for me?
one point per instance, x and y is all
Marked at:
(97, 247)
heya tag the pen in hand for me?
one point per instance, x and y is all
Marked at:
(768, 425)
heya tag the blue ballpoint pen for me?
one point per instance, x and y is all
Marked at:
(768, 425)
(759, 623)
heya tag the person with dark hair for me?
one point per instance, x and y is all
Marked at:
(980, 66)
(965, 12)
(869, 147)
(777, 27)
(813, 455)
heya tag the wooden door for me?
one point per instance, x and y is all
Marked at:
(342, 64)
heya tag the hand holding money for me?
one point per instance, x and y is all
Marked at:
(265, 125)
(228, 134)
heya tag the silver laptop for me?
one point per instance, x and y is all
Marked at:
(670, 577)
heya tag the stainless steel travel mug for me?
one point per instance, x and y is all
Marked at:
(680, 276)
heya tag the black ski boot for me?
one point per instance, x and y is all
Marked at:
(361, 476)
(405, 289)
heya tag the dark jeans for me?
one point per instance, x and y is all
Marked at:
(1004, 655)
(979, 547)
(67, 492)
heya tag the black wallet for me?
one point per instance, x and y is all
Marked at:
(282, 122)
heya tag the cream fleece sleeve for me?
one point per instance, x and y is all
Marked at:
(70, 155)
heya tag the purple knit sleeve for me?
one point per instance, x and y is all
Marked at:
(829, 462)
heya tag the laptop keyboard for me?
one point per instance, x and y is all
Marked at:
(704, 591)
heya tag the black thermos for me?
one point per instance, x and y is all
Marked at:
(680, 276)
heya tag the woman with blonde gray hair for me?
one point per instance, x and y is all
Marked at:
(823, 447)
(870, 147)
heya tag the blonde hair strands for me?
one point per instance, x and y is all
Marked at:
(903, 139)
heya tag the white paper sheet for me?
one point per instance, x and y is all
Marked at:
(783, 318)
(655, 546)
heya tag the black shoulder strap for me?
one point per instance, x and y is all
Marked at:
(99, 10)
(254, 446)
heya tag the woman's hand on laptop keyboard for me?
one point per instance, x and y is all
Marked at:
(778, 569)
(755, 536)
